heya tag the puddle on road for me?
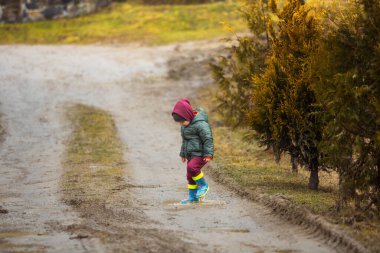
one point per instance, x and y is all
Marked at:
(286, 251)
(176, 204)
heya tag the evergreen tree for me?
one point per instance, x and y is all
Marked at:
(348, 67)
(265, 116)
(284, 113)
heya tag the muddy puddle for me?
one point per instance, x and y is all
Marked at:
(176, 205)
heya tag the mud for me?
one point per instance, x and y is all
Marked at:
(138, 86)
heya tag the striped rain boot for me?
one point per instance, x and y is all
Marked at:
(192, 195)
(202, 185)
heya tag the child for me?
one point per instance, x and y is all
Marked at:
(197, 146)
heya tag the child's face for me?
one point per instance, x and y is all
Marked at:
(184, 123)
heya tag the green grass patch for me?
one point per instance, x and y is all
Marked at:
(93, 167)
(128, 22)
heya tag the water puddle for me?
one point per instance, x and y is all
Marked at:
(286, 251)
(176, 204)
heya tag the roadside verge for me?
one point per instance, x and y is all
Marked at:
(294, 213)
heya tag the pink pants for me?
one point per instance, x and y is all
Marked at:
(194, 167)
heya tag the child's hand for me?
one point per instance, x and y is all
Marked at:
(207, 158)
(183, 159)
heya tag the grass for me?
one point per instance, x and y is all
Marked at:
(93, 168)
(254, 168)
(129, 22)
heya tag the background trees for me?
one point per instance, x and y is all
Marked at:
(289, 103)
(275, 96)
(312, 90)
(348, 89)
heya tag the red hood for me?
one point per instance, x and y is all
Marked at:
(184, 109)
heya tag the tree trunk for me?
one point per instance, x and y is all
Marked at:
(265, 24)
(378, 173)
(293, 160)
(377, 201)
(314, 177)
(340, 201)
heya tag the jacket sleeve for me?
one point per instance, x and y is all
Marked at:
(204, 131)
(182, 153)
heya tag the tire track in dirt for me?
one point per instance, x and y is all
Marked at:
(38, 82)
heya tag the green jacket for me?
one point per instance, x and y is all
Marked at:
(197, 137)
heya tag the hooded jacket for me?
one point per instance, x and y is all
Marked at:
(197, 137)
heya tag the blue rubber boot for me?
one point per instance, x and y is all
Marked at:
(192, 197)
(202, 187)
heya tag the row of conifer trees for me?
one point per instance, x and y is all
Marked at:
(307, 81)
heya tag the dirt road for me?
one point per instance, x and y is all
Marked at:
(37, 84)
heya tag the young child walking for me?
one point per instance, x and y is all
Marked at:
(197, 146)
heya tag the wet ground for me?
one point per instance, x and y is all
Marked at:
(37, 85)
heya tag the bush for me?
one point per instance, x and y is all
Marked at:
(233, 73)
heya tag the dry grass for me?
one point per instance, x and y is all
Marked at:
(94, 158)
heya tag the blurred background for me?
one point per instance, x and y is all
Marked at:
(146, 21)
